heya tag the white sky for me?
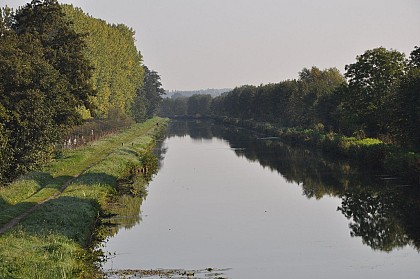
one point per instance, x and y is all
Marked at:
(198, 44)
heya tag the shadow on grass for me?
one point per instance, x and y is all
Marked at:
(11, 211)
(69, 211)
(47, 186)
(71, 217)
(49, 242)
(3, 203)
(128, 151)
(92, 178)
(74, 213)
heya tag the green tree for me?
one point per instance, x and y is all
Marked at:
(166, 108)
(5, 156)
(6, 19)
(199, 105)
(415, 57)
(171, 107)
(405, 103)
(34, 103)
(63, 48)
(152, 91)
(372, 79)
(140, 107)
(118, 73)
(312, 99)
(180, 106)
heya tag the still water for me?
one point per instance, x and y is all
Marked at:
(253, 207)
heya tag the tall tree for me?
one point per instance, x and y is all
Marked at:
(44, 79)
(5, 156)
(149, 97)
(372, 79)
(34, 100)
(63, 47)
(405, 103)
(309, 102)
(6, 19)
(415, 57)
(199, 105)
(118, 73)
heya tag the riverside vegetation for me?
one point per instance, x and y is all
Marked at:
(371, 113)
(56, 240)
(67, 77)
(59, 67)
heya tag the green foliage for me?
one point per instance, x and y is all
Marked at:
(199, 105)
(30, 84)
(44, 80)
(404, 113)
(62, 47)
(6, 19)
(140, 108)
(372, 80)
(4, 152)
(380, 99)
(149, 98)
(305, 102)
(309, 103)
(59, 67)
(118, 74)
(415, 57)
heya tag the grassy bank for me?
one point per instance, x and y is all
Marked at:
(53, 241)
(366, 151)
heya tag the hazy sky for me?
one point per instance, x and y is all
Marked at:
(195, 44)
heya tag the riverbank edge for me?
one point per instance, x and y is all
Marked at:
(367, 151)
(57, 240)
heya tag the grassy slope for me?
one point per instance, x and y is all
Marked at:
(51, 242)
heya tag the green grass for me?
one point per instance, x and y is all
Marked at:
(53, 241)
(24, 255)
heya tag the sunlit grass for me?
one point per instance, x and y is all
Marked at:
(25, 255)
(52, 242)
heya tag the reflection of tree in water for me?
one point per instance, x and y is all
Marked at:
(195, 129)
(376, 217)
(384, 216)
(124, 210)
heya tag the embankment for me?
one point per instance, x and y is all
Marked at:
(369, 152)
(62, 205)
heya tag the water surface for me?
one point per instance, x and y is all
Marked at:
(229, 199)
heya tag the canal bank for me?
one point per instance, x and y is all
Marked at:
(70, 197)
(370, 152)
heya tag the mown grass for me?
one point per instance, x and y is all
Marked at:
(52, 241)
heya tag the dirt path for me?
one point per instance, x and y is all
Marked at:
(23, 215)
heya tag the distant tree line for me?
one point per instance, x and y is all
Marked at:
(58, 67)
(378, 96)
(196, 105)
(213, 92)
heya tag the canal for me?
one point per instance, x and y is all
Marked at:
(230, 203)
